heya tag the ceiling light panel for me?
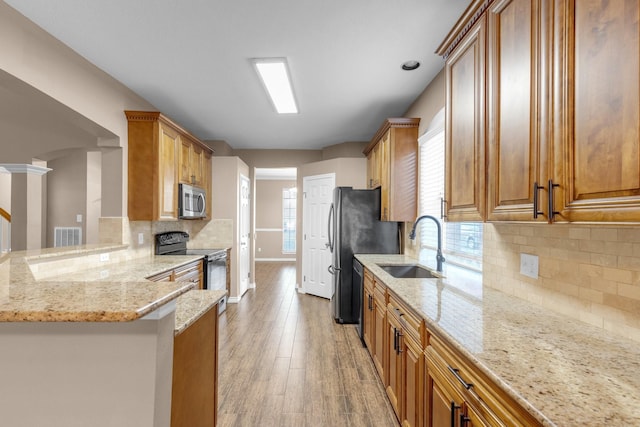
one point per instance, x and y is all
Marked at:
(274, 74)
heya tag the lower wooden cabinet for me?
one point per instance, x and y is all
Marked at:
(379, 351)
(194, 397)
(368, 305)
(429, 383)
(406, 363)
(459, 395)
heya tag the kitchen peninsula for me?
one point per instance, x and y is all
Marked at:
(87, 340)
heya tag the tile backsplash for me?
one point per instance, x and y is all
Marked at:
(217, 233)
(591, 273)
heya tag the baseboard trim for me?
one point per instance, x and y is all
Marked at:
(276, 259)
(233, 300)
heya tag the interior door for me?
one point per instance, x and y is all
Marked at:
(316, 256)
(244, 231)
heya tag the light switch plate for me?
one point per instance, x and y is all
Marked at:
(529, 265)
(140, 238)
(79, 218)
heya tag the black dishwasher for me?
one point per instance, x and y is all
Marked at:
(357, 280)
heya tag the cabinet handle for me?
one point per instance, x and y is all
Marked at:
(370, 303)
(536, 189)
(464, 420)
(395, 340)
(456, 373)
(400, 335)
(454, 409)
(442, 203)
(552, 213)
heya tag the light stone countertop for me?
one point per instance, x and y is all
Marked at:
(192, 305)
(563, 371)
(94, 292)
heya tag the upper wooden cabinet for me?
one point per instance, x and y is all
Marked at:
(392, 164)
(465, 127)
(562, 111)
(162, 154)
(517, 104)
(597, 98)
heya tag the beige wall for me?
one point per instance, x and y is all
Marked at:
(51, 73)
(67, 193)
(268, 225)
(346, 149)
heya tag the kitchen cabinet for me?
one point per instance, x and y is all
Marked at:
(405, 363)
(375, 322)
(194, 397)
(459, 394)
(380, 353)
(465, 127)
(562, 111)
(392, 165)
(368, 316)
(192, 160)
(596, 123)
(191, 272)
(162, 154)
(518, 71)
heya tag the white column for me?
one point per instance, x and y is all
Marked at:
(27, 219)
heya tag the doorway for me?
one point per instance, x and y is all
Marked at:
(244, 230)
(316, 256)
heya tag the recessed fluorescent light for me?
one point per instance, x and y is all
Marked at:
(274, 75)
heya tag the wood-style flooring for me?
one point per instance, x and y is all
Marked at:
(283, 361)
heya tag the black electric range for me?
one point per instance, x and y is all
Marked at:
(215, 260)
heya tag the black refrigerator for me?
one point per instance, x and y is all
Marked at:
(355, 227)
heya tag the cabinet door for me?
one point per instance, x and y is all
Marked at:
(208, 185)
(394, 368)
(379, 340)
(185, 161)
(517, 112)
(168, 174)
(465, 127)
(197, 165)
(413, 382)
(597, 133)
(368, 304)
(444, 405)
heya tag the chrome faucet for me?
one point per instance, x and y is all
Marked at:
(412, 236)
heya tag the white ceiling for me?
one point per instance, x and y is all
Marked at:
(191, 60)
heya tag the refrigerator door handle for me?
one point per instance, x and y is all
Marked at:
(333, 269)
(329, 243)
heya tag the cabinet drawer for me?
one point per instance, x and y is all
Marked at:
(495, 406)
(162, 277)
(410, 321)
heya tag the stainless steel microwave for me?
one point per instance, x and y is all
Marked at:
(192, 202)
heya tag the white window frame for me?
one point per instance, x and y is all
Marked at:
(286, 219)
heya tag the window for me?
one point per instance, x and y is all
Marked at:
(289, 200)
(461, 241)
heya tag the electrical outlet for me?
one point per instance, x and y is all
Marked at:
(529, 265)
(140, 238)
(104, 257)
(104, 274)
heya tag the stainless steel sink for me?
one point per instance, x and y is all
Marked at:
(409, 271)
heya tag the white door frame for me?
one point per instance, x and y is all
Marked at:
(307, 231)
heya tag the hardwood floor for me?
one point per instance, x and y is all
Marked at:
(285, 362)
